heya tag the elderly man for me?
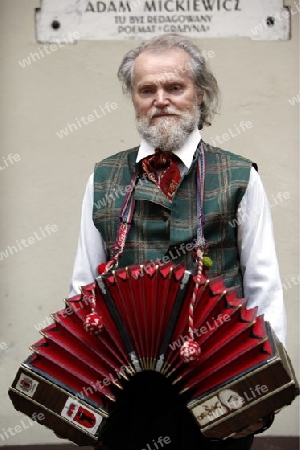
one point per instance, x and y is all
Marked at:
(176, 178)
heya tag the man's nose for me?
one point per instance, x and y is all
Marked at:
(161, 98)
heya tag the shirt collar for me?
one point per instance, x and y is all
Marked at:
(185, 153)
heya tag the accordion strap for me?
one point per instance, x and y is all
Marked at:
(190, 350)
(199, 245)
(200, 242)
(125, 217)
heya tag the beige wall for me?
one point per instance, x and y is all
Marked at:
(45, 183)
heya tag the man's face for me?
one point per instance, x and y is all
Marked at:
(165, 98)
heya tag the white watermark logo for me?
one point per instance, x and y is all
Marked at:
(24, 424)
(9, 160)
(68, 311)
(287, 284)
(25, 243)
(100, 384)
(158, 443)
(246, 215)
(3, 346)
(48, 49)
(210, 325)
(231, 132)
(85, 120)
(279, 16)
(226, 401)
(294, 100)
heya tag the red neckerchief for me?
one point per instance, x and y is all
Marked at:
(162, 169)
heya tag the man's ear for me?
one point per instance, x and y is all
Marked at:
(200, 96)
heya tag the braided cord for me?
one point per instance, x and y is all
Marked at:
(199, 246)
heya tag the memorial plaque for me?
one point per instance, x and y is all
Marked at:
(70, 20)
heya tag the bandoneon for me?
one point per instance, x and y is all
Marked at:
(77, 369)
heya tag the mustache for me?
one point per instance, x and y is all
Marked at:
(155, 112)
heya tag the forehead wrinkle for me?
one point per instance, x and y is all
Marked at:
(163, 78)
(162, 66)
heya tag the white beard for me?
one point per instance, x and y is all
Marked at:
(168, 133)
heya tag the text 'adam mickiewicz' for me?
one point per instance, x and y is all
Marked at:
(169, 6)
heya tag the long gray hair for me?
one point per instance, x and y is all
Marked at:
(203, 78)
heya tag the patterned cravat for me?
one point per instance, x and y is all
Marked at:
(162, 169)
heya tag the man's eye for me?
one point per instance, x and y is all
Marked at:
(175, 87)
(146, 91)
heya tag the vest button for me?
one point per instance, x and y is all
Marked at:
(165, 216)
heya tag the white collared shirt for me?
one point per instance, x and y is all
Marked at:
(261, 279)
(184, 153)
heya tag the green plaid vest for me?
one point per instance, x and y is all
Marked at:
(164, 230)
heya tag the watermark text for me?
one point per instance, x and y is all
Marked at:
(9, 160)
(24, 424)
(21, 244)
(86, 120)
(48, 49)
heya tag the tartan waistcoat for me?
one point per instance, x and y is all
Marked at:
(162, 229)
